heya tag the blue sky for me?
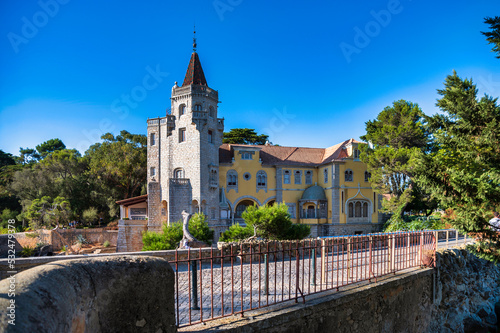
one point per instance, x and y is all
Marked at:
(306, 73)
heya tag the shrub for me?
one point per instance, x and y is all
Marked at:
(413, 223)
(28, 251)
(105, 244)
(90, 215)
(154, 241)
(81, 240)
(270, 222)
(236, 232)
(32, 235)
(172, 235)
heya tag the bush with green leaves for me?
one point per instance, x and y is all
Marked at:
(269, 222)
(106, 243)
(81, 240)
(172, 235)
(413, 223)
(236, 232)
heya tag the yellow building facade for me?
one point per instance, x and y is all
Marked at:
(326, 188)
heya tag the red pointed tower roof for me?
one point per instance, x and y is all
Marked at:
(194, 74)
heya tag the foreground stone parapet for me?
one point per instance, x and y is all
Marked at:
(109, 294)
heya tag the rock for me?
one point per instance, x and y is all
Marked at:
(141, 323)
(97, 251)
(491, 319)
(473, 324)
(482, 313)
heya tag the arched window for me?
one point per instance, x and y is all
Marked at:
(286, 177)
(179, 173)
(365, 209)
(211, 112)
(357, 209)
(298, 177)
(261, 179)
(213, 178)
(309, 177)
(367, 176)
(325, 175)
(348, 176)
(197, 107)
(232, 179)
(242, 206)
(311, 212)
(356, 154)
(182, 109)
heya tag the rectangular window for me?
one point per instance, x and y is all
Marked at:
(298, 177)
(152, 140)
(309, 177)
(182, 134)
(326, 175)
(210, 137)
(212, 213)
(286, 177)
(246, 156)
(291, 210)
(152, 171)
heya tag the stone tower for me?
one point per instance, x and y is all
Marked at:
(183, 152)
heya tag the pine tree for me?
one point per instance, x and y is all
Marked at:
(463, 174)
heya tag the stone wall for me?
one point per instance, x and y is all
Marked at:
(57, 238)
(22, 264)
(130, 235)
(467, 290)
(120, 294)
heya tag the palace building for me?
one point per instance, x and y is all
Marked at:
(189, 168)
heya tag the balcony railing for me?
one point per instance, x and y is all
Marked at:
(313, 214)
(179, 181)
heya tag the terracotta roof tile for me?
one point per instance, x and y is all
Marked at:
(194, 73)
(277, 155)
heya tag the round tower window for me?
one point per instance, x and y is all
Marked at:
(247, 176)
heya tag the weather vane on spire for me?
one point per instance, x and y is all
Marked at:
(194, 38)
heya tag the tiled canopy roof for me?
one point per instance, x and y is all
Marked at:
(277, 155)
(194, 74)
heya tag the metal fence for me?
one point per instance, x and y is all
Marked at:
(239, 278)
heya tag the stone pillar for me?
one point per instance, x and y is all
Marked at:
(130, 235)
(336, 197)
(279, 184)
(154, 207)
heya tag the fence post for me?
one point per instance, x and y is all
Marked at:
(370, 253)
(348, 257)
(313, 267)
(323, 259)
(266, 275)
(194, 282)
(392, 259)
(447, 237)
(421, 247)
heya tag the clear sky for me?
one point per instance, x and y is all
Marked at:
(306, 73)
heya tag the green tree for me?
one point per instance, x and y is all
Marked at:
(463, 174)
(394, 137)
(7, 215)
(6, 159)
(244, 136)
(119, 164)
(269, 222)
(50, 146)
(27, 156)
(493, 36)
(48, 212)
